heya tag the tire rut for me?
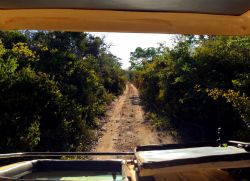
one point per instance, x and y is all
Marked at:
(125, 127)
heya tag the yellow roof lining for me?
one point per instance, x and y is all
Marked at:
(124, 21)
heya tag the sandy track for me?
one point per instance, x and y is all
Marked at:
(125, 127)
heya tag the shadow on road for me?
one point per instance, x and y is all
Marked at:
(135, 100)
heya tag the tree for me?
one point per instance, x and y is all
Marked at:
(200, 84)
(53, 87)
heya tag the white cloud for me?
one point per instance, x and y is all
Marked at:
(124, 43)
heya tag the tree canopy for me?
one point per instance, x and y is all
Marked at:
(198, 85)
(53, 87)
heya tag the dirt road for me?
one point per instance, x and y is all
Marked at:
(125, 127)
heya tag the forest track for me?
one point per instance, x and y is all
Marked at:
(125, 126)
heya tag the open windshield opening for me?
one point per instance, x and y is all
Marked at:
(67, 93)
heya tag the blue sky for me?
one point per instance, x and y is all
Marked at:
(124, 43)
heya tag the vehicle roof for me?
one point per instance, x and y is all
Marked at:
(216, 17)
(226, 7)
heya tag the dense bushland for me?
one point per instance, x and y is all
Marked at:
(53, 87)
(200, 84)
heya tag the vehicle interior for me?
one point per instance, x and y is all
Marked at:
(197, 161)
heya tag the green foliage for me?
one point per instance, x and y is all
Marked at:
(239, 102)
(200, 84)
(52, 89)
(141, 56)
(162, 123)
(32, 135)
